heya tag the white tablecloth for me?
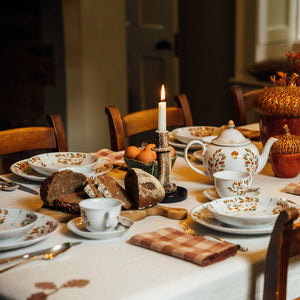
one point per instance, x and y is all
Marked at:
(114, 269)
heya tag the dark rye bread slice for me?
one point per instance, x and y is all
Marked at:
(143, 188)
(59, 184)
(70, 203)
(104, 186)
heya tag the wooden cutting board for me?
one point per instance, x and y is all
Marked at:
(135, 215)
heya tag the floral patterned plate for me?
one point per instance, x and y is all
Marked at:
(191, 133)
(211, 193)
(23, 169)
(15, 222)
(202, 215)
(43, 228)
(49, 163)
(246, 211)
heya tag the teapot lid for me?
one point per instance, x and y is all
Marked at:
(230, 137)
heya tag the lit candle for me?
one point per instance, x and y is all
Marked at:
(162, 106)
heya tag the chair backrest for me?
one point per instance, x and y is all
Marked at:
(122, 127)
(242, 103)
(14, 142)
(284, 244)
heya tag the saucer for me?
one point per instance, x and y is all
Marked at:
(43, 228)
(211, 194)
(23, 169)
(203, 216)
(77, 227)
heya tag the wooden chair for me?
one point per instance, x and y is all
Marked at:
(122, 127)
(284, 244)
(16, 144)
(242, 103)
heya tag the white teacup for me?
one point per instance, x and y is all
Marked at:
(100, 214)
(232, 183)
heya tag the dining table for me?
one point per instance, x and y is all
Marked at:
(113, 268)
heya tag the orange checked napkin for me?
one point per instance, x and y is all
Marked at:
(196, 249)
(293, 188)
(116, 158)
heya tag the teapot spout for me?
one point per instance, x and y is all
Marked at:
(265, 154)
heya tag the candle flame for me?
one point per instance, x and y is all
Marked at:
(162, 93)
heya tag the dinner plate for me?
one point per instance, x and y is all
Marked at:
(202, 215)
(23, 169)
(77, 227)
(211, 193)
(200, 133)
(177, 144)
(15, 222)
(43, 228)
(247, 212)
(198, 155)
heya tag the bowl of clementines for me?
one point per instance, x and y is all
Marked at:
(145, 158)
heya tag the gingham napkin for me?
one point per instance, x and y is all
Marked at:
(196, 249)
(116, 158)
(293, 188)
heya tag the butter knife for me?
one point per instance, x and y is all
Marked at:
(21, 187)
(39, 252)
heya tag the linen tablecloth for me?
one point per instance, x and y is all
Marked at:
(114, 269)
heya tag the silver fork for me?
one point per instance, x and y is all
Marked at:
(191, 231)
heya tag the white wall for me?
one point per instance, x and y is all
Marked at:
(95, 59)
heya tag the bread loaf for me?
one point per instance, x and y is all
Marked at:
(59, 184)
(105, 186)
(143, 189)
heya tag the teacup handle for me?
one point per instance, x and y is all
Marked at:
(109, 221)
(186, 150)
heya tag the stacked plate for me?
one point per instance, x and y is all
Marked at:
(40, 166)
(21, 227)
(180, 137)
(240, 215)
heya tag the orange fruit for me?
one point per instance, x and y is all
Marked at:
(149, 147)
(145, 156)
(132, 152)
(173, 153)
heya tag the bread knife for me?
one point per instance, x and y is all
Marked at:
(21, 187)
(39, 252)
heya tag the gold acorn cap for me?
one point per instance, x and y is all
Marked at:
(287, 143)
(280, 101)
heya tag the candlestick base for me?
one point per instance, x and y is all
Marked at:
(178, 195)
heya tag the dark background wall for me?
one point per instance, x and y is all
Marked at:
(207, 58)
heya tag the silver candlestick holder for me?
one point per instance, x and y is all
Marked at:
(174, 193)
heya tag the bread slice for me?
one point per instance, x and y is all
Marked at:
(104, 186)
(70, 203)
(59, 184)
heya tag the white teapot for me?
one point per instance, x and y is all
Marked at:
(231, 151)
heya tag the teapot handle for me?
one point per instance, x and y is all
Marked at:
(186, 150)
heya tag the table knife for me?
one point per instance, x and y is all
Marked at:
(21, 187)
(35, 253)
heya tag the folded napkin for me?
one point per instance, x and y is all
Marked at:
(196, 249)
(293, 188)
(116, 158)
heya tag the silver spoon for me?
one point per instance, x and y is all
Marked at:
(10, 186)
(51, 254)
